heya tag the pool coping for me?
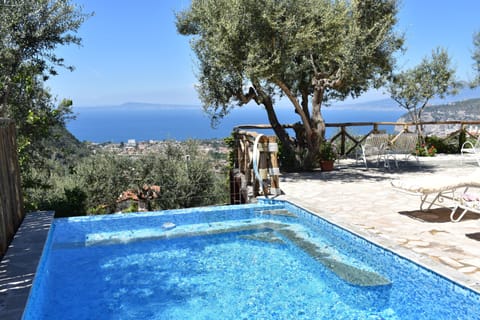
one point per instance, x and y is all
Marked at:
(18, 266)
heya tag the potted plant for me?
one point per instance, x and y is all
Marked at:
(327, 156)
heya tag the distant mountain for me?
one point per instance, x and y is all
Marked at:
(464, 94)
(382, 104)
(468, 110)
(387, 103)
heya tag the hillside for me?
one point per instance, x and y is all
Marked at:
(460, 110)
(63, 146)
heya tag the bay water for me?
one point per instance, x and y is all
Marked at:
(144, 122)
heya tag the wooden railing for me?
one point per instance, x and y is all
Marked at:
(11, 201)
(347, 142)
(343, 136)
(256, 171)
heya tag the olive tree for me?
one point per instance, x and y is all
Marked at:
(30, 31)
(414, 88)
(183, 173)
(103, 177)
(308, 51)
(186, 178)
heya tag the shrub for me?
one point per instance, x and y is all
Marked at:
(327, 151)
(72, 203)
(449, 146)
(426, 150)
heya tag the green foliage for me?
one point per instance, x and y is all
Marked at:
(230, 142)
(30, 33)
(71, 203)
(413, 89)
(287, 159)
(132, 208)
(187, 181)
(448, 146)
(44, 173)
(104, 177)
(43, 121)
(327, 151)
(309, 51)
(426, 150)
(56, 190)
(92, 184)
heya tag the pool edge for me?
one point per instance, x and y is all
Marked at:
(19, 265)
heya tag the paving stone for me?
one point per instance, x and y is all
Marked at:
(420, 250)
(472, 261)
(475, 276)
(451, 262)
(418, 243)
(435, 232)
(468, 269)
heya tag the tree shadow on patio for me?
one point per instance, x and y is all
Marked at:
(437, 215)
(474, 236)
(351, 172)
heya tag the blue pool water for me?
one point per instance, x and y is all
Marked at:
(270, 260)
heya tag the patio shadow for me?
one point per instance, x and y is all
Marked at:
(474, 236)
(437, 215)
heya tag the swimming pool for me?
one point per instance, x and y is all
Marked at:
(270, 260)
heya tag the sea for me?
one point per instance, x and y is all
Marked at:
(144, 122)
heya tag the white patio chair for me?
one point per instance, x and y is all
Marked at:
(404, 145)
(374, 146)
(470, 149)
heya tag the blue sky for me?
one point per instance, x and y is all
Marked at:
(132, 52)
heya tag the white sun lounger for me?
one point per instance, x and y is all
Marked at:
(436, 189)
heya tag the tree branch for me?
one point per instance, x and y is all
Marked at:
(249, 96)
(325, 80)
(312, 61)
(296, 104)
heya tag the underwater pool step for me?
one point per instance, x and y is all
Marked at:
(278, 212)
(345, 271)
(268, 231)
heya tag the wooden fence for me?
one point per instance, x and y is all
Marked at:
(11, 201)
(256, 171)
(347, 142)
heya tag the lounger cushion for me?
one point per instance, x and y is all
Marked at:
(437, 183)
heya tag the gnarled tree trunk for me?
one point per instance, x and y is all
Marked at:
(317, 123)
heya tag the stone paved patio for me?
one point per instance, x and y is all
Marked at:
(364, 202)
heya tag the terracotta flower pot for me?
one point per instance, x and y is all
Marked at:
(327, 165)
